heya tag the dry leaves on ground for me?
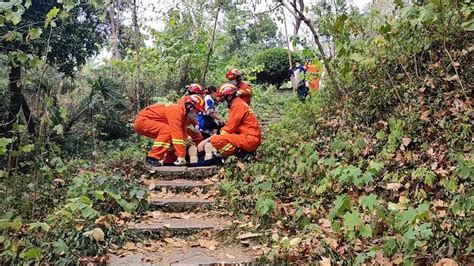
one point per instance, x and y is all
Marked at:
(446, 262)
(209, 244)
(325, 261)
(248, 235)
(394, 186)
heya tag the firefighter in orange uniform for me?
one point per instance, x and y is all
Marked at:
(166, 123)
(191, 124)
(235, 77)
(241, 131)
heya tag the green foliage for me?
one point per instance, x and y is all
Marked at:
(275, 65)
(389, 158)
(71, 21)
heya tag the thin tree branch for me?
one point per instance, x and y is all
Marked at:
(298, 14)
(211, 45)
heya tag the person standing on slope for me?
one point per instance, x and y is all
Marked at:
(244, 90)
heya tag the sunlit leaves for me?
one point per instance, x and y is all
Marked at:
(369, 201)
(468, 25)
(408, 217)
(351, 220)
(340, 205)
(50, 16)
(3, 145)
(265, 205)
(339, 24)
(365, 230)
(60, 247)
(31, 254)
(41, 225)
(34, 33)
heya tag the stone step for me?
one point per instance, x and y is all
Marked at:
(185, 256)
(180, 226)
(180, 202)
(180, 185)
(177, 172)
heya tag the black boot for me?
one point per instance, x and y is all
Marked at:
(153, 162)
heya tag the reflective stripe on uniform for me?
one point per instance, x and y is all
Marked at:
(223, 132)
(161, 144)
(177, 141)
(226, 148)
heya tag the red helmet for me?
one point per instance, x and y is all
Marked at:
(233, 73)
(195, 88)
(197, 101)
(226, 89)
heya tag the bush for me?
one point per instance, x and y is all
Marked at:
(275, 62)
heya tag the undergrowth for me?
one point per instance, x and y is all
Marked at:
(381, 172)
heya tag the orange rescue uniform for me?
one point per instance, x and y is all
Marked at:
(313, 78)
(245, 91)
(242, 130)
(166, 124)
(190, 126)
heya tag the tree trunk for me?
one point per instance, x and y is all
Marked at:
(184, 73)
(114, 29)
(137, 84)
(298, 20)
(300, 15)
(211, 46)
(18, 101)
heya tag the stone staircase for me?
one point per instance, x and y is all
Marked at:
(184, 225)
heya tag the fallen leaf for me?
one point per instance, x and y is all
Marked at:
(125, 215)
(248, 235)
(168, 240)
(325, 222)
(406, 141)
(332, 242)
(325, 261)
(275, 237)
(241, 166)
(59, 181)
(380, 259)
(441, 214)
(98, 234)
(439, 203)
(446, 226)
(102, 220)
(79, 227)
(151, 185)
(129, 246)
(209, 244)
(358, 245)
(452, 78)
(381, 125)
(394, 186)
(446, 262)
(425, 116)
(397, 258)
(441, 172)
